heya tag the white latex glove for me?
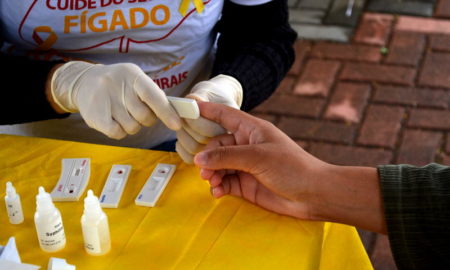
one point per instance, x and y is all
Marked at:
(195, 134)
(113, 99)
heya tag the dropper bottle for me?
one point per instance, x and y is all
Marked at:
(49, 225)
(13, 205)
(94, 224)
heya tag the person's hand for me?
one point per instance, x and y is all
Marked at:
(114, 99)
(195, 134)
(264, 163)
(258, 162)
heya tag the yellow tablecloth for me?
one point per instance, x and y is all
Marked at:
(188, 229)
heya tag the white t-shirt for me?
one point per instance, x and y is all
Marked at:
(174, 50)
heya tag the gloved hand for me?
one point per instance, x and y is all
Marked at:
(113, 99)
(195, 134)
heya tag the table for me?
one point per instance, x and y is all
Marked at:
(188, 229)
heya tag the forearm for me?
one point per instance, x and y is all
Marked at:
(417, 210)
(26, 100)
(349, 195)
(48, 91)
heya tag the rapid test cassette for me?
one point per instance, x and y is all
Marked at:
(114, 186)
(73, 180)
(155, 185)
(185, 107)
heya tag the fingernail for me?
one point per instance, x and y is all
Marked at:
(214, 192)
(202, 171)
(200, 159)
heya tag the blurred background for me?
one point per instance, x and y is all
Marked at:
(370, 85)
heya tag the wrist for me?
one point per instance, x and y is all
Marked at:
(63, 82)
(48, 91)
(317, 194)
(349, 195)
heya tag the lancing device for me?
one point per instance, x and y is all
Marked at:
(185, 107)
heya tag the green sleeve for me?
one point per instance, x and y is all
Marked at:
(417, 211)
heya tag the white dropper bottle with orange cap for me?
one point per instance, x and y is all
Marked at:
(49, 225)
(94, 224)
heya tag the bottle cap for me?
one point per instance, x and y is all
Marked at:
(10, 190)
(59, 264)
(44, 201)
(91, 204)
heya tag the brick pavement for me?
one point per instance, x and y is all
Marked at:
(336, 19)
(360, 104)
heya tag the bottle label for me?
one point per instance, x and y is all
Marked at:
(53, 235)
(91, 239)
(14, 212)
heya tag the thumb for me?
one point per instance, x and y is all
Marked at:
(244, 158)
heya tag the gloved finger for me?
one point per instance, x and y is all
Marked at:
(129, 125)
(205, 127)
(188, 143)
(185, 156)
(199, 138)
(207, 95)
(99, 117)
(139, 110)
(108, 127)
(113, 130)
(149, 92)
(121, 115)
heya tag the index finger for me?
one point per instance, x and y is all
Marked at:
(231, 119)
(150, 93)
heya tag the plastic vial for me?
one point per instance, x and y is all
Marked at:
(59, 264)
(94, 224)
(13, 205)
(49, 225)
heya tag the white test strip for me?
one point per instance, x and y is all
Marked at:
(114, 186)
(185, 107)
(155, 185)
(73, 180)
